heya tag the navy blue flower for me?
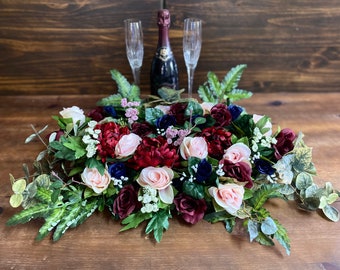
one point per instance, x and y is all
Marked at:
(204, 171)
(264, 167)
(165, 121)
(235, 111)
(110, 110)
(117, 170)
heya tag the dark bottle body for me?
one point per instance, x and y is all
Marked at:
(164, 71)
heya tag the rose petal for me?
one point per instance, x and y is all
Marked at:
(166, 195)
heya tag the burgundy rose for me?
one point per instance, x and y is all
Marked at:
(178, 110)
(192, 210)
(154, 152)
(96, 114)
(284, 142)
(221, 114)
(109, 137)
(142, 129)
(218, 140)
(241, 171)
(126, 202)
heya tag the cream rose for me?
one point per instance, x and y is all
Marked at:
(228, 196)
(268, 125)
(94, 180)
(158, 178)
(194, 147)
(127, 145)
(75, 113)
(164, 108)
(206, 106)
(237, 152)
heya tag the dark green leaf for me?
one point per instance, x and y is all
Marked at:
(264, 193)
(217, 216)
(230, 224)
(50, 222)
(193, 189)
(158, 223)
(133, 220)
(282, 237)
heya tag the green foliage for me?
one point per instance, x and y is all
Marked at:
(133, 220)
(158, 223)
(265, 192)
(225, 91)
(193, 189)
(152, 114)
(125, 90)
(169, 94)
(61, 208)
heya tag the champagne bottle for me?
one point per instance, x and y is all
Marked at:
(164, 72)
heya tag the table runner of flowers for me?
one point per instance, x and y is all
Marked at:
(147, 160)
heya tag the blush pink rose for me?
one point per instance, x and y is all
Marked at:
(158, 178)
(228, 196)
(237, 152)
(194, 147)
(94, 180)
(127, 145)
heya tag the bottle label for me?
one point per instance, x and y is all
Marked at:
(164, 54)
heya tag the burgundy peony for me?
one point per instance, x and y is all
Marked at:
(284, 142)
(154, 152)
(241, 171)
(192, 210)
(126, 202)
(108, 138)
(221, 115)
(178, 110)
(218, 140)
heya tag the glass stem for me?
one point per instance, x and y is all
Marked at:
(190, 80)
(136, 75)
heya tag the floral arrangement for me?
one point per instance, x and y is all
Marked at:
(147, 160)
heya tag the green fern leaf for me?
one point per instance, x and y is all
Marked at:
(67, 219)
(238, 94)
(113, 100)
(282, 236)
(43, 195)
(36, 211)
(86, 212)
(232, 78)
(264, 193)
(134, 94)
(124, 86)
(50, 222)
(214, 84)
(206, 94)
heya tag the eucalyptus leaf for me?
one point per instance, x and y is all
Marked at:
(16, 200)
(19, 186)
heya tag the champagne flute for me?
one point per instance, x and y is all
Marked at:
(134, 46)
(192, 41)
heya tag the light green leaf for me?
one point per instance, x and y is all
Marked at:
(19, 186)
(303, 180)
(158, 223)
(253, 230)
(76, 144)
(331, 212)
(16, 200)
(231, 80)
(268, 226)
(152, 114)
(133, 220)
